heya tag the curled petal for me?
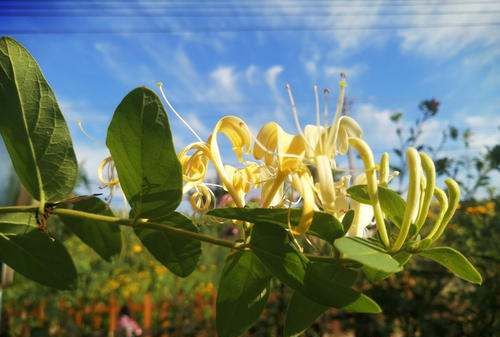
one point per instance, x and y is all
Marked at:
(194, 166)
(315, 136)
(238, 180)
(108, 178)
(326, 186)
(307, 192)
(272, 194)
(106, 172)
(202, 198)
(239, 136)
(273, 142)
(347, 127)
(236, 131)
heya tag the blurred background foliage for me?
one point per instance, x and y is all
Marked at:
(423, 300)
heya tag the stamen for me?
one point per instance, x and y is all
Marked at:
(295, 115)
(316, 98)
(215, 185)
(266, 149)
(79, 123)
(318, 118)
(332, 135)
(160, 86)
(326, 101)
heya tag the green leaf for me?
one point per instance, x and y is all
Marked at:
(180, 255)
(301, 314)
(39, 258)
(347, 220)
(33, 127)
(141, 146)
(17, 223)
(392, 204)
(454, 261)
(330, 284)
(359, 193)
(324, 225)
(103, 237)
(318, 281)
(242, 295)
(376, 275)
(368, 254)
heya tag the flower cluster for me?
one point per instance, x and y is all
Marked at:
(302, 168)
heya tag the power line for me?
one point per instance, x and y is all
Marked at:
(242, 29)
(232, 5)
(122, 13)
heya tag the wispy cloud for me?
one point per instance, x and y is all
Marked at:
(271, 77)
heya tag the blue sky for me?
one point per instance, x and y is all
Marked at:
(394, 55)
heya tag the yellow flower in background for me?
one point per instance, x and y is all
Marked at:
(136, 248)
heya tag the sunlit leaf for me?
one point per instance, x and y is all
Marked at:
(316, 280)
(33, 127)
(376, 275)
(324, 225)
(140, 142)
(39, 258)
(362, 251)
(103, 237)
(179, 254)
(242, 295)
(454, 261)
(392, 204)
(17, 223)
(302, 312)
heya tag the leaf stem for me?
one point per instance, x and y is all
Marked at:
(152, 225)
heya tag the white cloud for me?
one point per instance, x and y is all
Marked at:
(377, 126)
(271, 77)
(349, 71)
(450, 33)
(225, 84)
(485, 131)
(437, 29)
(194, 121)
(251, 73)
(480, 121)
(272, 74)
(130, 75)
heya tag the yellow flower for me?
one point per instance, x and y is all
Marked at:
(106, 173)
(137, 248)
(305, 163)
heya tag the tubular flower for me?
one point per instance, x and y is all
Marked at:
(304, 164)
(107, 176)
(195, 165)
(283, 153)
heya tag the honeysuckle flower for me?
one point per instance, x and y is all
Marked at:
(322, 144)
(202, 198)
(194, 166)
(106, 174)
(283, 152)
(363, 213)
(304, 164)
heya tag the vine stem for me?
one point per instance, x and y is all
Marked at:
(144, 223)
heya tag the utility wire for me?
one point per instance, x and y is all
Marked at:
(242, 29)
(231, 5)
(148, 13)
